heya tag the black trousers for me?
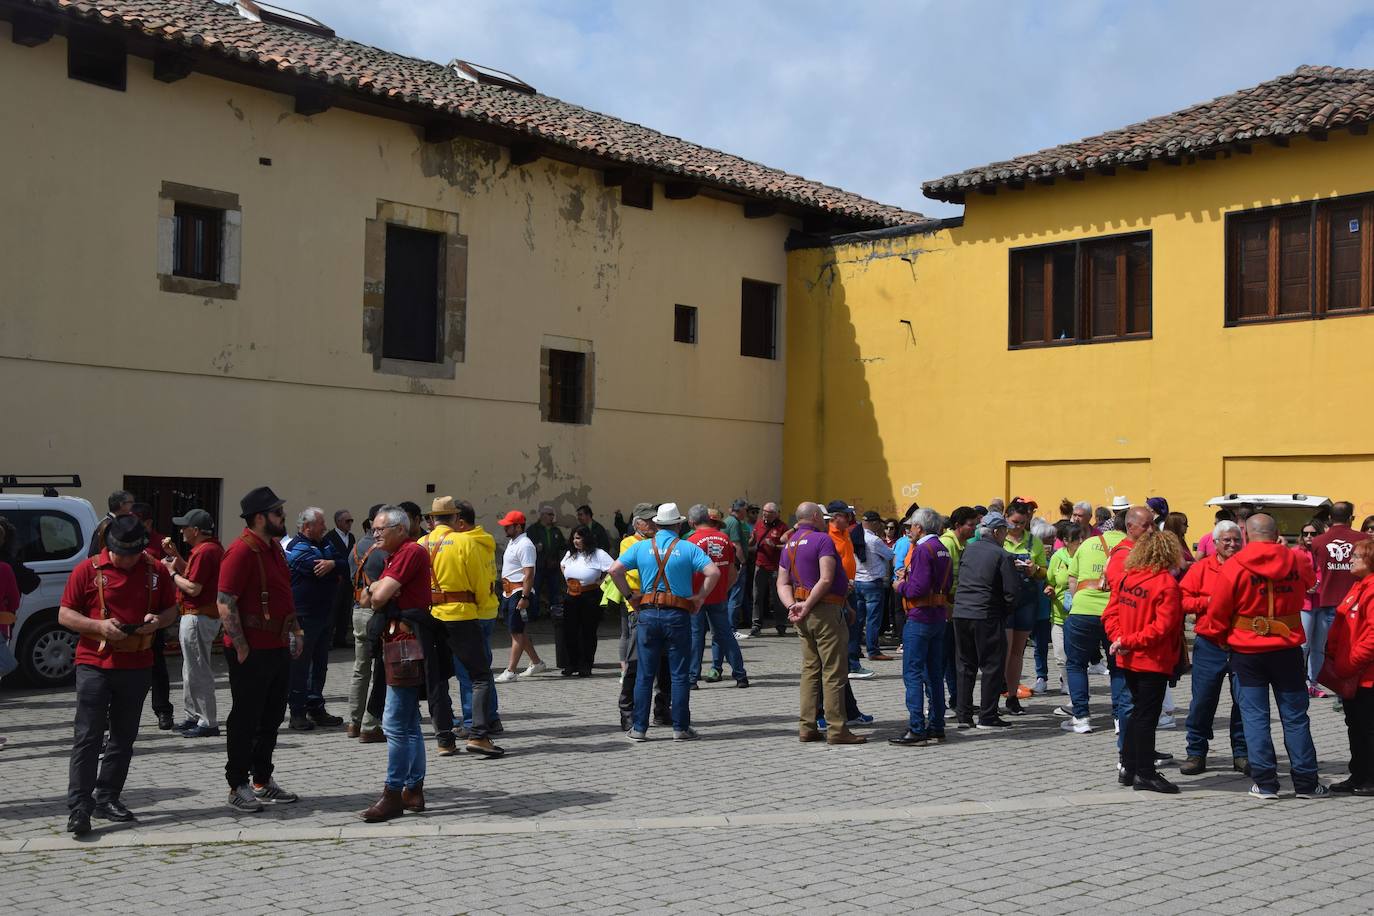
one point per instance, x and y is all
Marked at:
(766, 603)
(581, 617)
(982, 646)
(468, 644)
(851, 705)
(162, 684)
(1359, 726)
(258, 686)
(105, 698)
(438, 670)
(1147, 699)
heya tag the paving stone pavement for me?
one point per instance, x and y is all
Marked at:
(747, 819)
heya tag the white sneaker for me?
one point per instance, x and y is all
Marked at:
(1038, 689)
(1063, 712)
(1099, 668)
(505, 677)
(862, 674)
(536, 668)
(1166, 720)
(742, 634)
(1076, 725)
(1116, 726)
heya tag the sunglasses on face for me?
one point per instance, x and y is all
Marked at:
(1309, 534)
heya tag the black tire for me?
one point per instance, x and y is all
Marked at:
(46, 652)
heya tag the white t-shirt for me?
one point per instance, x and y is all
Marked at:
(879, 555)
(519, 554)
(586, 569)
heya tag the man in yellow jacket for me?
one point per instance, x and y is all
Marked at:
(463, 592)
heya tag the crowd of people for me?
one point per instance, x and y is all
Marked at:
(958, 598)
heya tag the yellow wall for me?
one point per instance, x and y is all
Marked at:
(942, 412)
(105, 375)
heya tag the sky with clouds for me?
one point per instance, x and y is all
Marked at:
(874, 97)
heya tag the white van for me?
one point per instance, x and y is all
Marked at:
(1290, 510)
(52, 533)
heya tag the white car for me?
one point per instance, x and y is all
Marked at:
(1290, 510)
(53, 534)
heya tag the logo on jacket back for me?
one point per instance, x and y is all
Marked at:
(1340, 552)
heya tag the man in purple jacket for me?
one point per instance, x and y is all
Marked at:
(924, 588)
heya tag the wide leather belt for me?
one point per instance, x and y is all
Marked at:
(1270, 626)
(925, 601)
(800, 593)
(451, 597)
(509, 588)
(664, 600)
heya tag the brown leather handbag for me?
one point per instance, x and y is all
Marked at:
(403, 655)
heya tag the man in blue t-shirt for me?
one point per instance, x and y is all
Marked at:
(663, 607)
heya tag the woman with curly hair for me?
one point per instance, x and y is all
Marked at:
(1144, 621)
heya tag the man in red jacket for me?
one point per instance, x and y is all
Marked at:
(1332, 552)
(1254, 610)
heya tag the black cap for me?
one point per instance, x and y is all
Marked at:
(871, 516)
(126, 536)
(836, 505)
(739, 504)
(196, 518)
(260, 500)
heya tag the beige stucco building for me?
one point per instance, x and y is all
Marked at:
(239, 251)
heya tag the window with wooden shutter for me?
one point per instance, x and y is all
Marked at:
(758, 333)
(1081, 292)
(1299, 261)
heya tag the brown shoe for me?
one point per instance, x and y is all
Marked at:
(881, 657)
(371, 736)
(808, 735)
(352, 730)
(847, 738)
(385, 808)
(448, 748)
(482, 747)
(414, 799)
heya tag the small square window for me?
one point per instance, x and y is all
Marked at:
(638, 192)
(685, 323)
(97, 60)
(198, 242)
(565, 387)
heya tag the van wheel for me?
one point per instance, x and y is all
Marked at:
(47, 653)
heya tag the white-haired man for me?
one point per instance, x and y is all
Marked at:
(315, 575)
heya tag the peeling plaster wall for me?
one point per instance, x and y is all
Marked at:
(941, 412)
(276, 387)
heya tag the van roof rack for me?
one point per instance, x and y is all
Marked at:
(48, 482)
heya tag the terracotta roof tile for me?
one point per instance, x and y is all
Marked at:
(218, 28)
(1308, 100)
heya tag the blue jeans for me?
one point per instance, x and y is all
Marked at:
(724, 645)
(1282, 671)
(868, 601)
(405, 743)
(1040, 633)
(465, 682)
(1211, 665)
(1083, 634)
(306, 691)
(734, 600)
(1316, 624)
(658, 631)
(923, 671)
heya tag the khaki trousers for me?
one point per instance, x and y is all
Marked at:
(825, 664)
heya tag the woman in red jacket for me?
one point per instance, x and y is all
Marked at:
(1144, 620)
(1352, 657)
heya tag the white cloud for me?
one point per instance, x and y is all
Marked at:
(879, 96)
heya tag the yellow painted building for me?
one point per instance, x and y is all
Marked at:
(918, 369)
(221, 225)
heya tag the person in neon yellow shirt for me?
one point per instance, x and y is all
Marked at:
(1057, 587)
(463, 591)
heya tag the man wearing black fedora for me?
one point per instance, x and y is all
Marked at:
(261, 636)
(114, 601)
